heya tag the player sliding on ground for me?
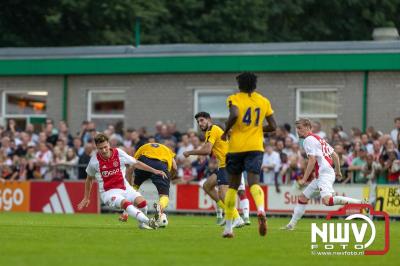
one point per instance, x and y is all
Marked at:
(218, 147)
(108, 167)
(321, 158)
(247, 112)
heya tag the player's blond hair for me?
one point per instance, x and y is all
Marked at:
(304, 122)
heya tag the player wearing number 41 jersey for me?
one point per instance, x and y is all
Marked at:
(108, 167)
(247, 112)
(321, 159)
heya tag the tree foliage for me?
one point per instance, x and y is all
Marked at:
(111, 22)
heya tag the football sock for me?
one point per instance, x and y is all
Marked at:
(244, 205)
(223, 206)
(164, 200)
(230, 201)
(340, 200)
(298, 212)
(135, 213)
(258, 196)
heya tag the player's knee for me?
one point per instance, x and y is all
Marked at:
(207, 186)
(125, 204)
(141, 202)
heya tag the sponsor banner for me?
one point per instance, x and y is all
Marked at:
(286, 199)
(385, 197)
(191, 197)
(14, 196)
(62, 197)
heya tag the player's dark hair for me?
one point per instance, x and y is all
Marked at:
(247, 82)
(202, 114)
(100, 138)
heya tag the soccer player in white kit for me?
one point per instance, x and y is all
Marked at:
(321, 158)
(108, 167)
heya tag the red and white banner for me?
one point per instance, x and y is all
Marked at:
(62, 197)
(193, 198)
(286, 199)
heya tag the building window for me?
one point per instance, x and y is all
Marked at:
(25, 107)
(318, 105)
(213, 102)
(106, 107)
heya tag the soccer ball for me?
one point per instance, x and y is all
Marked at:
(163, 221)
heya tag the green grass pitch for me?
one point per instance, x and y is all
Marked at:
(57, 240)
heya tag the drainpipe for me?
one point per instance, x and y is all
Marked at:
(365, 101)
(65, 99)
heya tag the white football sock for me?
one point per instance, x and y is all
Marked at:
(340, 200)
(244, 205)
(144, 210)
(228, 226)
(219, 212)
(298, 212)
(137, 214)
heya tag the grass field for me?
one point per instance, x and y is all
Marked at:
(57, 240)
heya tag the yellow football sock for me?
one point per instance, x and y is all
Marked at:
(230, 201)
(222, 206)
(258, 196)
(164, 200)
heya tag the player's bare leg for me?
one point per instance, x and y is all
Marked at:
(258, 195)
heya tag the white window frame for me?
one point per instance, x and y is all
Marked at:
(90, 115)
(5, 116)
(316, 89)
(208, 90)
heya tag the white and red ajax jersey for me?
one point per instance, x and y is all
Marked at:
(316, 146)
(110, 173)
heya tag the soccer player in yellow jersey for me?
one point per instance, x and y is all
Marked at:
(247, 112)
(160, 157)
(218, 147)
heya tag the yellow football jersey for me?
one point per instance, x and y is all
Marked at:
(220, 147)
(156, 151)
(247, 133)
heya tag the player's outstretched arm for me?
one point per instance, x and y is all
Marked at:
(88, 188)
(271, 124)
(142, 166)
(233, 116)
(205, 150)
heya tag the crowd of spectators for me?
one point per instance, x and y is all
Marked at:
(55, 153)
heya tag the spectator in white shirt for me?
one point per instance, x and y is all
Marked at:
(394, 134)
(270, 165)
